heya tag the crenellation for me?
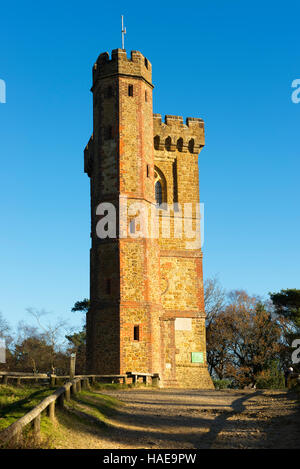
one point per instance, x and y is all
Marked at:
(137, 66)
(173, 134)
(174, 120)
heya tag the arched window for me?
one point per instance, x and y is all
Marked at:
(158, 193)
(156, 142)
(160, 186)
(168, 143)
(179, 144)
(191, 145)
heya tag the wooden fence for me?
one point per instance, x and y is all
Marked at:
(131, 376)
(14, 431)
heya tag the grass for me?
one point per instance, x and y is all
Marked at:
(16, 401)
(86, 407)
(99, 406)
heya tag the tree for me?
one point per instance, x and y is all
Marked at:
(214, 299)
(81, 305)
(287, 307)
(243, 338)
(287, 304)
(217, 344)
(51, 334)
(33, 354)
(77, 344)
(4, 327)
(253, 337)
(77, 340)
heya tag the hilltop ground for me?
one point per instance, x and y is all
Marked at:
(175, 419)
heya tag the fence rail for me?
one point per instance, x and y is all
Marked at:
(132, 376)
(34, 415)
(61, 394)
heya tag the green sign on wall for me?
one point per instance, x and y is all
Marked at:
(197, 357)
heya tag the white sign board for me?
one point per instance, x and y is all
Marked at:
(183, 324)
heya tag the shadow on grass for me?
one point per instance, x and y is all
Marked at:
(14, 410)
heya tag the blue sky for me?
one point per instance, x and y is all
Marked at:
(231, 63)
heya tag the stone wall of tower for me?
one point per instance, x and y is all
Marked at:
(177, 146)
(139, 274)
(119, 159)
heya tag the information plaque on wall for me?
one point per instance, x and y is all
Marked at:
(197, 357)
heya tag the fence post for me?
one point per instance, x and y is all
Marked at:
(155, 380)
(18, 381)
(51, 411)
(37, 426)
(5, 379)
(60, 400)
(85, 383)
(79, 385)
(74, 388)
(72, 365)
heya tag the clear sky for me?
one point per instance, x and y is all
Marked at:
(231, 63)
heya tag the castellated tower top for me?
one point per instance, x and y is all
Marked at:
(138, 66)
(174, 134)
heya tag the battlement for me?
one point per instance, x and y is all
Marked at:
(173, 134)
(119, 64)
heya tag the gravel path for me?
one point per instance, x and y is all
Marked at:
(175, 419)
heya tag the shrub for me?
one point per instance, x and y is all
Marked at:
(272, 378)
(222, 383)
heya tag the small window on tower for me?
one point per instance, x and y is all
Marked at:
(130, 90)
(136, 333)
(146, 96)
(158, 193)
(108, 133)
(109, 92)
(132, 226)
(108, 286)
(146, 62)
(148, 171)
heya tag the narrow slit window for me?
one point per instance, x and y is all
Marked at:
(108, 135)
(108, 286)
(146, 96)
(158, 193)
(132, 226)
(109, 92)
(136, 333)
(148, 171)
(130, 90)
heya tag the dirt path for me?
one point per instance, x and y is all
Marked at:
(175, 419)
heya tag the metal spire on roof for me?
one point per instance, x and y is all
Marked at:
(123, 32)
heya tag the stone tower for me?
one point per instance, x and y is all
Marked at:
(146, 289)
